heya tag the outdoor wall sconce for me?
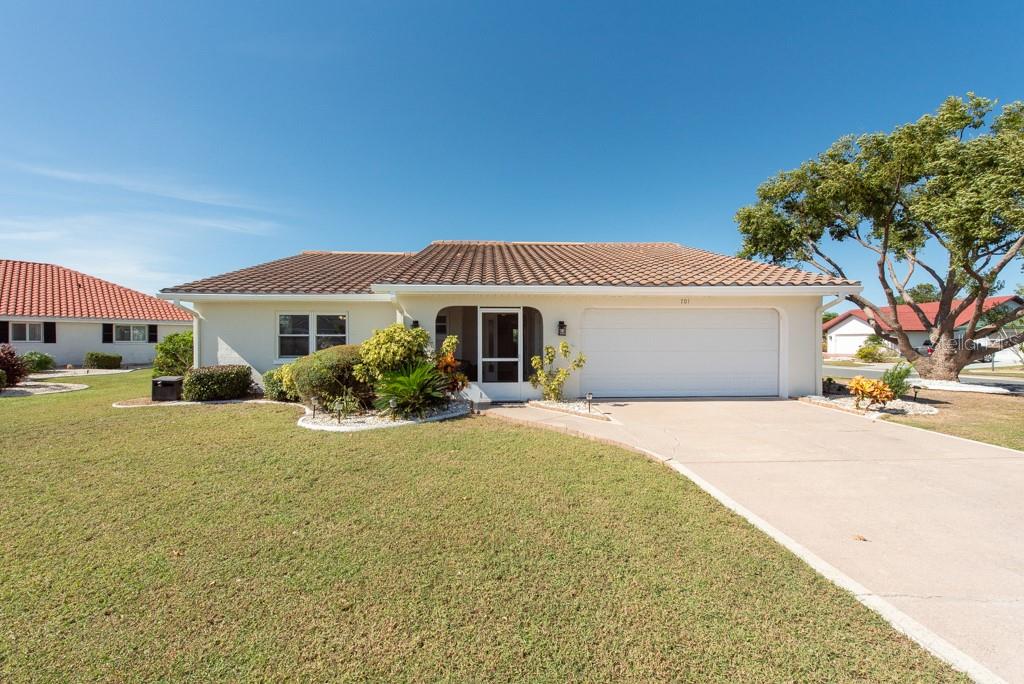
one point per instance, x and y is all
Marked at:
(561, 328)
(415, 324)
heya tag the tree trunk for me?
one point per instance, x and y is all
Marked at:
(945, 362)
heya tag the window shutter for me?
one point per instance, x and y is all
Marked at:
(152, 333)
(50, 332)
(108, 333)
(5, 332)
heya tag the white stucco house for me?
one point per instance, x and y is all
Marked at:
(64, 313)
(846, 333)
(654, 319)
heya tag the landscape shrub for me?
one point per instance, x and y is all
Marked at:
(871, 352)
(449, 367)
(391, 349)
(216, 383)
(102, 360)
(345, 405)
(273, 385)
(872, 391)
(550, 379)
(38, 361)
(3, 381)
(173, 354)
(323, 377)
(896, 378)
(13, 366)
(413, 390)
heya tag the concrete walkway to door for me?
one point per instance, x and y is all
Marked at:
(928, 524)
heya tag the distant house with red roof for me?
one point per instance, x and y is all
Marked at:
(64, 313)
(846, 333)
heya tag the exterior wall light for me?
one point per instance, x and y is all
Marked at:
(561, 328)
(415, 324)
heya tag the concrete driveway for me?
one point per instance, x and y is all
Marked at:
(925, 523)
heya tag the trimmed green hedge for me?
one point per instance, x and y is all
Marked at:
(3, 380)
(324, 376)
(102, 360)
(215, 383)
(38, 361)
(273, 386)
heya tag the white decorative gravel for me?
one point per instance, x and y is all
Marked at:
(75, 372)
(950, 386)
(29, 389)
(576, 407)
(897, 407)
(373, 421)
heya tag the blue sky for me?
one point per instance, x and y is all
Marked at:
(152, 144)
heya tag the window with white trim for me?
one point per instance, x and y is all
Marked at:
(300, 334)
(131, 333)
(331, 330)
(292, 335)
(26, 332)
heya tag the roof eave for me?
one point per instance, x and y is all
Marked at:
(272, 296)
(691, 290)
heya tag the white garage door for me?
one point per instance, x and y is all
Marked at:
(681, 353)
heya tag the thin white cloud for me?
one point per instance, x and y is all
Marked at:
(127, 224)
(144, 251)
(166, 189)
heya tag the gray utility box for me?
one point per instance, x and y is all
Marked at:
(167, 388)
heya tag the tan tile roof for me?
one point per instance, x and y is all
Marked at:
(305, 273)
(50, 291)
(638, 264)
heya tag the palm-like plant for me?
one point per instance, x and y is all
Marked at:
(411, 391)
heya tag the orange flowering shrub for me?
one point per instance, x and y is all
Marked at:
(872, 391)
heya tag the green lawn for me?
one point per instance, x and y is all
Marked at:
(1005, 371)
(223, 542)
(992, 418)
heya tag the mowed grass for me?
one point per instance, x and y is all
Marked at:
(992, 418)
(225, 543)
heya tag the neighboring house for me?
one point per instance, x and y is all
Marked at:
(654, 319)
(847, 332)
(64, 313)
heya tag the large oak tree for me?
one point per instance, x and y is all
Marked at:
(951, 182)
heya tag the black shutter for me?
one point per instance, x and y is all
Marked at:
(152, 333)
(5, 332)
(108, 333)
(50, 332)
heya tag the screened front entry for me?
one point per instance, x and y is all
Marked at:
(495, 345)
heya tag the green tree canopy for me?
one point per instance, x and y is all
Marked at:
(952, 182)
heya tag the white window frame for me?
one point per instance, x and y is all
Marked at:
(131, 333)
(313, 334)
(28, 326)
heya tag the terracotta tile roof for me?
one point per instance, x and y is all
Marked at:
(305, 273)
(50, 291)
(650, 264)
(645, 264)
(909, 321)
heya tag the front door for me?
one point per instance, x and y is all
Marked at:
(501, 352)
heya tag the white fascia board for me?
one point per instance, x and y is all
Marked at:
(125, 321)
(692, 291)
(223, 297)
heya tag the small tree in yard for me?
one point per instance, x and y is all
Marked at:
(950, 183)
(173, 354)
(551, 379)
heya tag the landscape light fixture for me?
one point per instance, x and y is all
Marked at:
(590, 399)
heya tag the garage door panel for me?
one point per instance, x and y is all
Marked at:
(671, 352)
(680, 340)
(660, 319)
